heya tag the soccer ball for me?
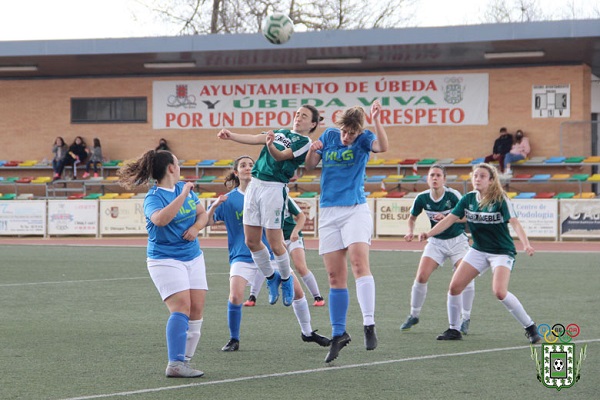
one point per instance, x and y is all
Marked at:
(558, 364)
(277, 28)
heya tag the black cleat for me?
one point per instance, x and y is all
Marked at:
(370, 337)
(232, 345)
(532, 334)
(450, 334)
(318, 339)
(337, 344)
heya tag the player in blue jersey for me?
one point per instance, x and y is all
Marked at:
(174, 216)
(437, 202)
(229, 209)
(488, 211)
(284, 150)
(345, 221)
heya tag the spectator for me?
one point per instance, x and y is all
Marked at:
(162, 145)
(502, 145)
(519, 151)
(59, 149)
(96, 159)
(77, 154)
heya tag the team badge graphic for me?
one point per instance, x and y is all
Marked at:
(453, 91)
(558, 367)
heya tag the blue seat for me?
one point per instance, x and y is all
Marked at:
(541, 177)
(478, 160)
(207, 162)
(555, 160)
(375, 178)
(525, 195)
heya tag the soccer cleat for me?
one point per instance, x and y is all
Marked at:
(318, 339)
(181, 369)
(232, 345)
(410, 321)
(450, 334)
(532, 334)
(273, 286)
(464, 327)
(337, 344)
(370, 337)
(319, 302)
(251, 302)
(287, 291)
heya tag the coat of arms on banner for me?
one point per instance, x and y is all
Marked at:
(453, 91)
(558, 367)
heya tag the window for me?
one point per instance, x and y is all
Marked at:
(109, 110)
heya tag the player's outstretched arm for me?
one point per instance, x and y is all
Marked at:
(381, 144)
(225, 134)
(514, 222)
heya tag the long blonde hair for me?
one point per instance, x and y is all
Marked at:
(495, 192)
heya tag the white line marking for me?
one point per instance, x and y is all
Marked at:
(89, 280)
(307, 371)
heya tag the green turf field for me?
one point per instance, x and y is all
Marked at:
(87, 323)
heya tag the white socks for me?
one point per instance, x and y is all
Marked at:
(193, 337)
(514, 306)
(417, 298)
(365, 292)
(300, 307)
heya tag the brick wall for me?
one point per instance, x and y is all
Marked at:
(34, 112)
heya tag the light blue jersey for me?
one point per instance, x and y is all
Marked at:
(167, 241)
(343, 174)
(231, 212)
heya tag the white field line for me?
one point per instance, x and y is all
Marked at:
(307, 371)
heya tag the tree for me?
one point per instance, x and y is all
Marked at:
(534, 10)
(513, 11)
(244, 16)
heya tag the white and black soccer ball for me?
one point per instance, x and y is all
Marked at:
(277, 28)
(558, 364)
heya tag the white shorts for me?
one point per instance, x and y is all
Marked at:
(245, 270)
(440, 250)
(264, 204)
(298, 244)
(483, 261)
(173, 276)
(339, 227)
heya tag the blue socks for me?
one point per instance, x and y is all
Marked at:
(234, 319)
(339, 300)
(177, 327)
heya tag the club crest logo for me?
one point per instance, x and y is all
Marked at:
(558, 367)
(453, 91)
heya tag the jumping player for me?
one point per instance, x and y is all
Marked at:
(345, 221)
(228, 208)
(284, 150)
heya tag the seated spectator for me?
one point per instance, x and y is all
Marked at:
(77, 154)
(519, 151)
(162, 145)
(59, 149)
(95, 159)
(502, 146)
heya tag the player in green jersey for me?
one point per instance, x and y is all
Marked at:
(284, 150)
(437, 202)
(488, 210)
